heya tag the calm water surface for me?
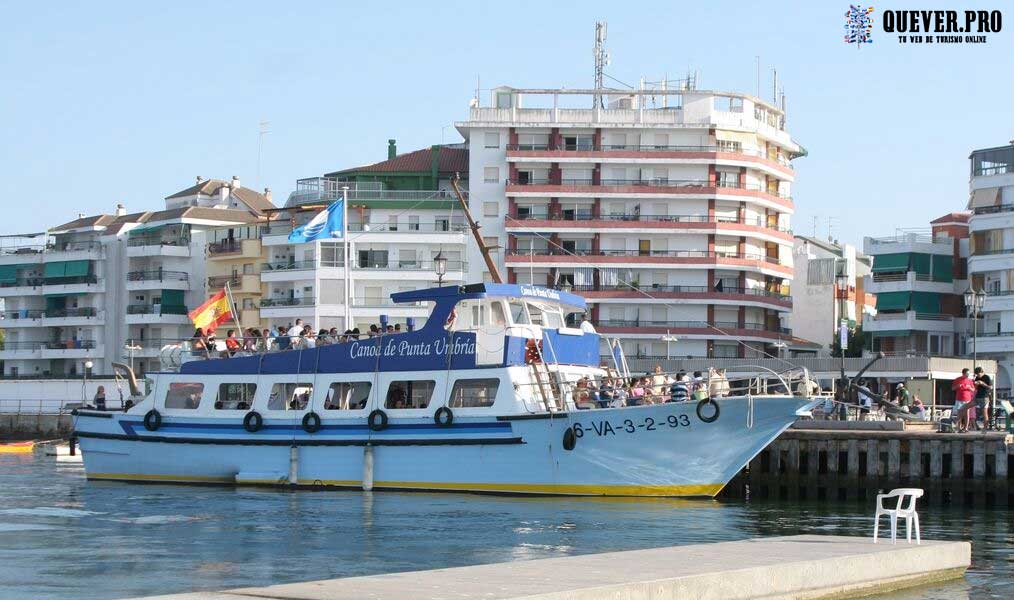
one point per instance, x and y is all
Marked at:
(63, 537)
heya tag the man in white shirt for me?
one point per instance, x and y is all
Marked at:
(294, 333)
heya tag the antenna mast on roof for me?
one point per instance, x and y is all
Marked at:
(601, 61)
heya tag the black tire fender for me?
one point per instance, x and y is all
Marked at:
(444, 417)
(377, 420)
(311, 422)
(253, 421)
(152, 420)
(700, 410)
(569, 439)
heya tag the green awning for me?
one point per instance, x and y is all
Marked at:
(894, 333)
(77, 268)
(172, 297)
(8, 273)
(926, 302)
(921, 263)
(53, 270)
(888, 301)
(63, 295)
(890, 262)
(943, 268)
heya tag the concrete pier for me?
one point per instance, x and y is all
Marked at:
(805, 566)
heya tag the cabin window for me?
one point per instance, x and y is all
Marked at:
(409, 394)
(346, 395)
(184, 395)
(518, 314)
(474, 393)
(290, 396)
(235, 396)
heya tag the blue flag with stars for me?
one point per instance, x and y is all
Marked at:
(328, 224)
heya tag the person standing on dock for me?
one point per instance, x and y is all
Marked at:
(983, 392)
(904, 397)
(964, 389)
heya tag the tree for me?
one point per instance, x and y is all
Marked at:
(857, 342)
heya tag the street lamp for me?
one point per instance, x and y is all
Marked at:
(841, 284)
(130, 348)
(84, 386)
(974, 299)
(440, 267)
(668, 338)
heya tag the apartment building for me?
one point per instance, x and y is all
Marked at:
(234, 258)
(668, 209)
(918, 278)
(991, 254)
(819, 304)
(108, 288)
(403, 221)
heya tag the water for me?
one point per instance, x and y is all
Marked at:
(63, 537)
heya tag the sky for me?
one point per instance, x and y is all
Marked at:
(128, 102)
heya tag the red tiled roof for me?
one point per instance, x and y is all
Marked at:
(452, 160)
(954, 217)
(210, 187)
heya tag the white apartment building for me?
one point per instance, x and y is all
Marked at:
(394, 235)
(109, 288)
(668, 210)
(991, 254)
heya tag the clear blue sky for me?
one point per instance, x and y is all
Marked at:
(128, 102)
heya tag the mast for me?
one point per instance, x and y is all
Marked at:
(483, 249)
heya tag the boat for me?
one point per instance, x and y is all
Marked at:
(480, 398)
(17, 447)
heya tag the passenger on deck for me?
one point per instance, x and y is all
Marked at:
(679, 391)
(660, 383)
(307, 339)
(100, 398)
(323, 337)
(294, 333)
(606, 392)
(232, 344)
(282, 340)
(636, 394)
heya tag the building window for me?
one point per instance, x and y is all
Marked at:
(492, 139)
(503, 99)
(491, 175)
(490, 209)
(407, 258)
(474, 393)
(373, 259)
(413, 222)
(392, 223)
(248, 269)
(409, 394)
(491, 242)
(290, 396)
(248, 304)
(235, 396)
(347, 395)
(726, 179)
(184, 395)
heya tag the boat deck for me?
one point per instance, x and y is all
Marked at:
(805, 566)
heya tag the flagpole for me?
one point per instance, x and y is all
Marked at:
(347, 288)
(233, 309)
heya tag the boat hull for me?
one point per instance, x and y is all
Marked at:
(672, 450)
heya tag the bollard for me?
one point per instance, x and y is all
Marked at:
(73, 445)
(368, 468)
(293, 465)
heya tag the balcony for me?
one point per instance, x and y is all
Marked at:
(578, 153)
(705, 294)
(639, 223)
(20, 350)
(10, 319)
(288, 270)
(239, 284)
(158, 279)
(81, 316)
(80, 250)
(22, 286)
(234, 249)
(421, 270)
(319, 190)
(14, 251)
(409, 233)
(140, 314)
(990, 342)
(908, 281)
(287, 302)
(149, 348)
(983, 261)
(638, 258)
(71, 349)
(158, 246)
(287, 307)
(562, 187)
(910, 321)
(79, 284)
(694, 329)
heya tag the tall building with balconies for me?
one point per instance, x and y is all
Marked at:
(991, 254)
(235, 255)
(918, 278)
(402, 215)
(668, 210)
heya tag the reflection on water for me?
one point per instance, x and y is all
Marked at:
(62, 537)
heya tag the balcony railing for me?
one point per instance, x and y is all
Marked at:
(23, 282)
(288, 265)
(319, 189)
(143, 240)
(989, 210)
(586, 215)
(220, 281)
(156, 309)
(63, 313)
(714, 325)
(679, 289)
(412, 265)
(74, 246)
(71, 345)
(286, 302)
(225, 247)
(408, 227)
(644, 148)
(148, 344)
(990, 334)
(78, 279)
(993, 252)
(653, 182)
(644, 253)
(14, 346)
(903, 276)
(22, 314)
(158, 275)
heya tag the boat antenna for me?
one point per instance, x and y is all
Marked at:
(483, 248)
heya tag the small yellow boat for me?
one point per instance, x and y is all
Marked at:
(17, 447)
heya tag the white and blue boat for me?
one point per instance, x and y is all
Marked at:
(480, 398)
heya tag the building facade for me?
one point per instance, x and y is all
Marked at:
(402, 215)
(669, 211)
(110, 288)
(918, 278)
(990, 262)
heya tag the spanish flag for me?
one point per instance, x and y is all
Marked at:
(212, 313)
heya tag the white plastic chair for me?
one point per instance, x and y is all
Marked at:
(900, 510)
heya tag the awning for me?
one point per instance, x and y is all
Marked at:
(63, 295)
(747, 139)
(984, 197)
(172, 297)
(893, 301)
(77, 268)
(8, 273)
(54, 269)
(921, 263)
(891, 333)
(926, 302)
(890, 262)
(943, 268)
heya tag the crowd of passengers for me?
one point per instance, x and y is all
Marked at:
(299, 336)
(655, 388)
